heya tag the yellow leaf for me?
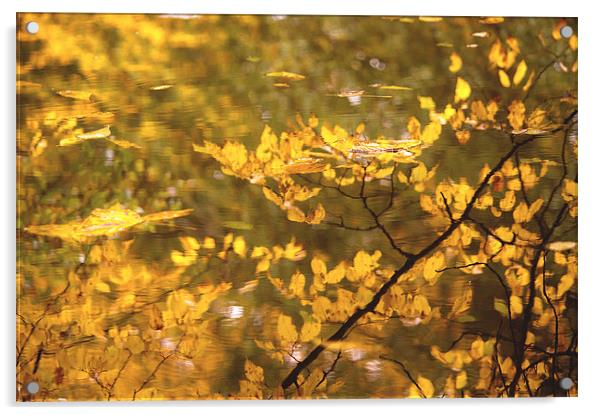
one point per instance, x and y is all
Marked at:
(516, 305)
(426, 386)
(426, 103)
(310, 330)
(463, 90)
(336, 274)
(455, 63)
(239, 246)
(166, 215)
(101, 133)
(297, 284)
(521, 70)
(79, 95)
(504, 78)
(524, 213)
(432, 266)
(318, 266)
(183, 259)
(286, 329)
(461, 380)
(102, 287)
(560, 246)
(294, 214)
(313, 121)
(286, 75)
(317, 215)
(253, 372)
(507, 203)
(516, 114)
(123, 143)
(463, 136)
(395, 88)
(208, 243)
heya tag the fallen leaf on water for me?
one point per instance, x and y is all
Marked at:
(100, 133)
(161, 87)
(559, 246)
(286, 75)
(481, 34)
(102, 222)
(395, 87)
(81, 95)
(281, 85)
(123, 143)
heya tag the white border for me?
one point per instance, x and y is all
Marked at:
(590, 244)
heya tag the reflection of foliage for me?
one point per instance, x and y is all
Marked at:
(140, 329)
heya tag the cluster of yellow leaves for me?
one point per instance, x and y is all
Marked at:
(252, 387)
(419, 176)
(265, 256)
(102, 222)
(103, 133)
(412, 308)
(503, 57)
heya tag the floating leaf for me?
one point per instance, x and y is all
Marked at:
(395, 88)
(161, 87)
(123, 143)
(560, 246)
(102, 222)
(286, 75)
(79, 95)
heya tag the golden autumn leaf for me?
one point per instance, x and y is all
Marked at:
(166, 215)
(463, 136)
(291, 76)
(516, 114)
(102, 222)
(286, 329)
(395, 88)
(433, 266)
(253, 372)
(316, 216)
(504, 78)
(462, 91)
(426, 103)
(310, 330)
(297, 284)
(455, 63)
(78, 95)
(520, 72)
